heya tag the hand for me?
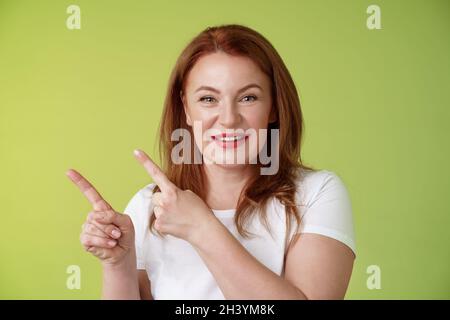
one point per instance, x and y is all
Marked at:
(107, 234)
(180, 213)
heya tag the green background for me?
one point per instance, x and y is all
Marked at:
(376, 106)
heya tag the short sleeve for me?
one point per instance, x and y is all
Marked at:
(327, 208)
(138, 208)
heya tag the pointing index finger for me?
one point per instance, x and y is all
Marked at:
(153, 170)
(88, 190)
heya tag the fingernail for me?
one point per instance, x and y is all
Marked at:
(116, 233)
(111, 243)
(137, 152)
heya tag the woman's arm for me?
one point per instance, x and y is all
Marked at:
(144, 285)
(120, 282)
(244, 277)
(319, 265)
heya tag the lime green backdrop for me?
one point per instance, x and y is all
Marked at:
(376, 106)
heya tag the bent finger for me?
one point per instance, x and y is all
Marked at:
(94, 241)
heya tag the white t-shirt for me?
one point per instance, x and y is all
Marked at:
(175, 269)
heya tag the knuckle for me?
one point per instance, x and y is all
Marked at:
(84, 239)
(159, 226)
(169, 197)
(156, 197)
(127, 218)
(160, 219)
(172, 192)
(109, 215)
(129, 222)
(97, 215)
(100, 215)
(108, 228)
(160, 211)
(100, 242)
(90, 228)
(90, 216)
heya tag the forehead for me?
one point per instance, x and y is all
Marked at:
(225, 72)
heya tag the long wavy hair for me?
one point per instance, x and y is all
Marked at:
(239, 40)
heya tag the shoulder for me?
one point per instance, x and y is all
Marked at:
(312, 185)
(325, 205)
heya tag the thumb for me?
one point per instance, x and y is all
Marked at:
(112, 217)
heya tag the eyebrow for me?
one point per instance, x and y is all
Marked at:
(251, 85)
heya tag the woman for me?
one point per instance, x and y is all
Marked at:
(218, 228)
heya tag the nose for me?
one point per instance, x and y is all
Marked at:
(229, 115)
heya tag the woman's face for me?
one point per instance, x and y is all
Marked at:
(229, 98)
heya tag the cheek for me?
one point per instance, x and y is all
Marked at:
(256, 119)
(201, 123)
(202, 114)
(204, 117)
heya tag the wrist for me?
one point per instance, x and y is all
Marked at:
(126, 264)
(203, 232)
(120, 280)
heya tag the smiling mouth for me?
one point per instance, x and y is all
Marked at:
(228, 138)
(229, 141)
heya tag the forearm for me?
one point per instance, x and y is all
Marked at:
(121, 282)
(242, 276)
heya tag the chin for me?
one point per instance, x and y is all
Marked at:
(231, 165)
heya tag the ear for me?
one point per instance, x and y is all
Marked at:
(273, 115)
(183, 100)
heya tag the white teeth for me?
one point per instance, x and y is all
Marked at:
(233, 138)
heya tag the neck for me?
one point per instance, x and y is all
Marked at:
(224, 185)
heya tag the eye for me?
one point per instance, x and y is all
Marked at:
(250, 97)
(207, 99)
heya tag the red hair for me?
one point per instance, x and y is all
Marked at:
(239, 40)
